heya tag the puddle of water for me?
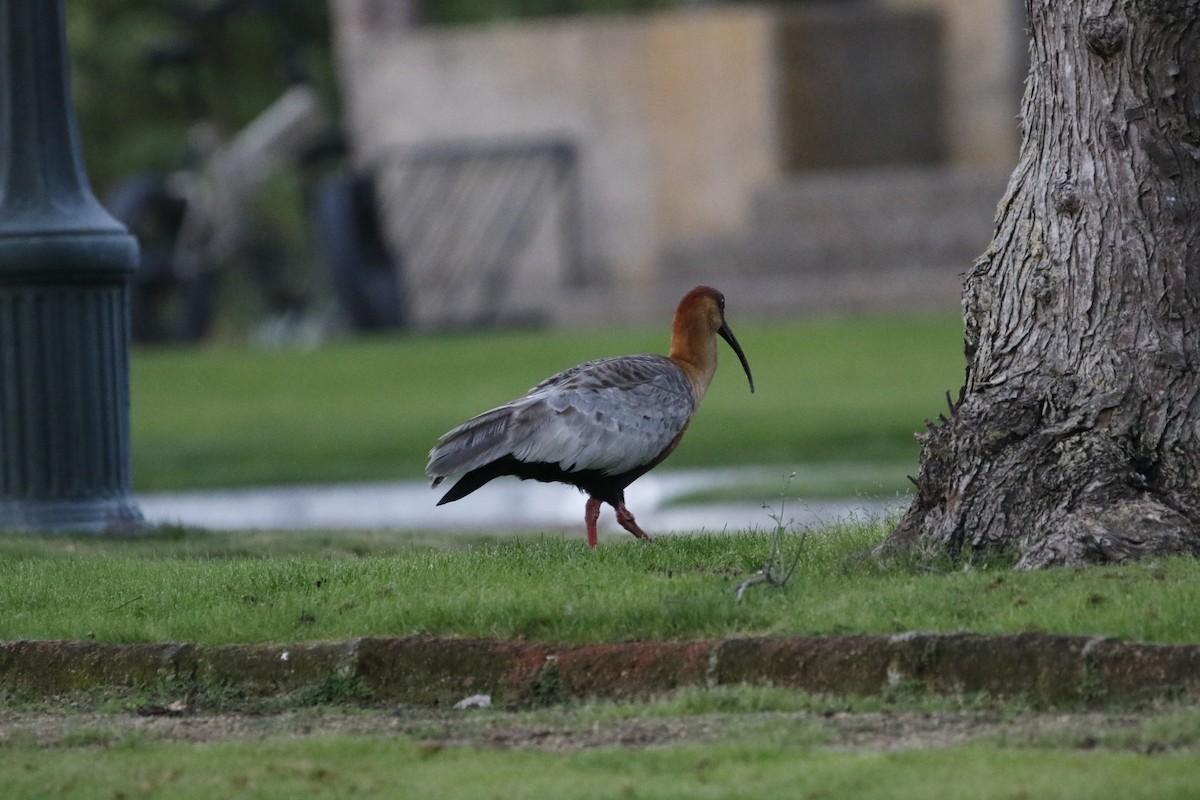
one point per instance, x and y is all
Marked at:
(503, 505)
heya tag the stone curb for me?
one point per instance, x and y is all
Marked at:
(1041, 669)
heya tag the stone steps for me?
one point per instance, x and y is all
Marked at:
(864, 240)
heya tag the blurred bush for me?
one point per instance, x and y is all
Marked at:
(134, 116)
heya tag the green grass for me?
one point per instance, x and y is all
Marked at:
(829, 390)
(729, 741)
(783, 764)
(205, 588)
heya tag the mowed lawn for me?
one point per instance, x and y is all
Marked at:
(261, 586)
(828, 390)
(749, 768)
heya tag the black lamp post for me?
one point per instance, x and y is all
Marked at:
(65, 266)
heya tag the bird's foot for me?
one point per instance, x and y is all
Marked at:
(626, 520)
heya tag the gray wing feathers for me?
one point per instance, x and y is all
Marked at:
(476, 442)
(610, 415)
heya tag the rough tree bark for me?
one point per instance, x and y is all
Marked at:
(1076, 435)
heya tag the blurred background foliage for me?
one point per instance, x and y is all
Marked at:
(135, 102)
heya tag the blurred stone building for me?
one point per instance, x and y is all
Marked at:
(806, 156)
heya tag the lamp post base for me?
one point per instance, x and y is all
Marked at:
(64, 407)
(99, 515)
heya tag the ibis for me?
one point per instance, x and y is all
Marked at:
(598, 426)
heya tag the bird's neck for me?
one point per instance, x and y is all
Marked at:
(694, 349)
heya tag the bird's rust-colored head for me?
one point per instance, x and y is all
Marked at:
(699, 319)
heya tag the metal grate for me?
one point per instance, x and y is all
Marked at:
(464, 217)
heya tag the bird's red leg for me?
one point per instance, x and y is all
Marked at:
(625, 517)
(590, 515)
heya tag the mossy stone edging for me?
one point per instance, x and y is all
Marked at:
(1042, 669)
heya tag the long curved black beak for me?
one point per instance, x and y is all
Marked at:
(728, 336)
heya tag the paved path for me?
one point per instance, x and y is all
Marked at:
(501, 505)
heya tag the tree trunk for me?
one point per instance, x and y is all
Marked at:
(1076, 435)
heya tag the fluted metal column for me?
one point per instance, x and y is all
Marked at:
(65, 266)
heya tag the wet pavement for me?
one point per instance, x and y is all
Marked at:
(504, 505)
